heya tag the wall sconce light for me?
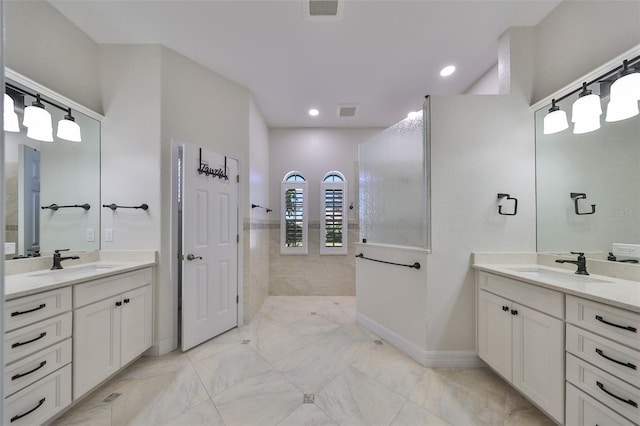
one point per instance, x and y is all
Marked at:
(624, 95)
(38, 120)
(10, 117)
(556, 120)
(586, 110)
(68, 129)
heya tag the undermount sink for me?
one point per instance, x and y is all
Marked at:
(74, 270)
(558, 276)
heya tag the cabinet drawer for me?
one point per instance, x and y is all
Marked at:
(620, 396)
(612, 357)
(110, 286)
(30, 309)
(583, 410)
(536, 297)
(616, 324)
(30, 339)
(37, 403)
(22, 373)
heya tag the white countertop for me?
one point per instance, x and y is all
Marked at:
(614, 291)
(33, 282)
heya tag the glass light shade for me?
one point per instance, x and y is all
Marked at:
(69, 130)
(10, 117)
(621, 109)
(586, 124)
(585, 108)
(555, 121)
(627, 86)
(40, 133)
(36, 117)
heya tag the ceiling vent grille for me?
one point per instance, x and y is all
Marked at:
(323, 9)
(347, 110)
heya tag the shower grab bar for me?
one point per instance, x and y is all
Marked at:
(414, 266)
(55, 207)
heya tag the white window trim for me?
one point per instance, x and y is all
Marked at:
(324, 250)
(305, 213)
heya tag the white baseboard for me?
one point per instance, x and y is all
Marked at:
(160, 348)
(424, 357)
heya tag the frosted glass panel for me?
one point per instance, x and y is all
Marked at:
(393, 185)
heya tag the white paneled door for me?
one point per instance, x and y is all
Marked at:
(209, 245)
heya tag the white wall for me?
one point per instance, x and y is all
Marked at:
(259, 164)
(487, 84)
(45, 46)
(579, 36)
(315, 152)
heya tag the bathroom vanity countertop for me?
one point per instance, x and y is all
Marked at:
(613, 291)
(33, 282)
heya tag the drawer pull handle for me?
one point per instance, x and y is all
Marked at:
(16, 313)
(15, 345)
(17, 376)
(626, 364)
(19, 416)
(626, 401)
(624, 327)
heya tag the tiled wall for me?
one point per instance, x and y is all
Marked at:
(312, 274)
(256, 266)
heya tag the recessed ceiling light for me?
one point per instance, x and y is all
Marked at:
(313, 112)
(447, 71)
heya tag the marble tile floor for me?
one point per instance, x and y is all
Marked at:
(300, 361)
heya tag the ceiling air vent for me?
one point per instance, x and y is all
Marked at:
(347, 110)
(323, 9)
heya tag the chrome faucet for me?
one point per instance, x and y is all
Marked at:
(581, 262)
(57, 258)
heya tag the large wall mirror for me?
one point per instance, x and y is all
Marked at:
(52, 187)
(588, 184)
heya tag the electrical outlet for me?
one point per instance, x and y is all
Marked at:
(9, 248)
(108, 234)
(91, 234)
(626, 250)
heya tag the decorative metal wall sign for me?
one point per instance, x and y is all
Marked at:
(206, 170)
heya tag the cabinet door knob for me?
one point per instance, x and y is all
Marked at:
(118, 303)
(126, 300)
(505, 308)
(514, 312)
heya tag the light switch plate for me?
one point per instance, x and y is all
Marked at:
(626, 250)
(9, 248)
(108, 234)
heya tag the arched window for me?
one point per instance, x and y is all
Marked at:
(293, 222)
(333, 220)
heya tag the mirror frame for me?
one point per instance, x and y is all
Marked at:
(57, 97)
(546, 102)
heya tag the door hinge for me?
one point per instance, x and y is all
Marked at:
(238, 238)
(238, 178)
(237, 299)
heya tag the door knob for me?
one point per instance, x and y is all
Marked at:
(192, 257)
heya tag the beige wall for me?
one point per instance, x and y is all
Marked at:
(579, 36)
(45, 46)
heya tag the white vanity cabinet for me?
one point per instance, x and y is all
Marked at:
(37, 370)
(521, 335)
(603, 358)
(112, 326)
